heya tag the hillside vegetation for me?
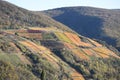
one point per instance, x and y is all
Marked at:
(13, 17)
(101, 24)
(57, 55)
(49, 50)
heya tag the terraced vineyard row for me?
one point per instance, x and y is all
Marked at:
(31, 35)
(71, 41)
(41, 50)
(76, 75)
(95, 43)
(63, 37)
(76, 40)
(49, 56)
(19, 54)
(70, 46)
(80, 54)
(104, 52)
(16, 31)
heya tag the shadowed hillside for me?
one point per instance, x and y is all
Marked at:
(103, 24)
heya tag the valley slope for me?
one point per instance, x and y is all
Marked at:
(97, 23)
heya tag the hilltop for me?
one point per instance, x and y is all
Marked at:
(13, 17)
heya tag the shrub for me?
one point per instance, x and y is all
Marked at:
(7, 71)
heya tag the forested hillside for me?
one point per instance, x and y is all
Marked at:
(13, 17)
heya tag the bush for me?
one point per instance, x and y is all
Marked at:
(24, 74)
(7, 71)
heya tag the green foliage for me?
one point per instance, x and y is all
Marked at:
(62, 37)
(22, 48)
(96, 69)
(7, 71)
(11, 72)
(12, 58)
(40, 63)
(101, 69)
(33, 57)
(16, 34)
(24, 74)
(6, 47)
(13, 17)
(48, 36)
(41, 67)
(43, 75)
(21, 18)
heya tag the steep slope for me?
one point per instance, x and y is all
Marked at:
(51, 52)
(60, 54)
(103, 24)
(16, 17)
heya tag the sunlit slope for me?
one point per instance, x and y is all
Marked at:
(35, 47)
(25, 50)
(64, 40)
(60, 52)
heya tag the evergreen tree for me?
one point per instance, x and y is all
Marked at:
(43, 74)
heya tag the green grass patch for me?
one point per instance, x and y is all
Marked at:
(62, 37)
(12, 58)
